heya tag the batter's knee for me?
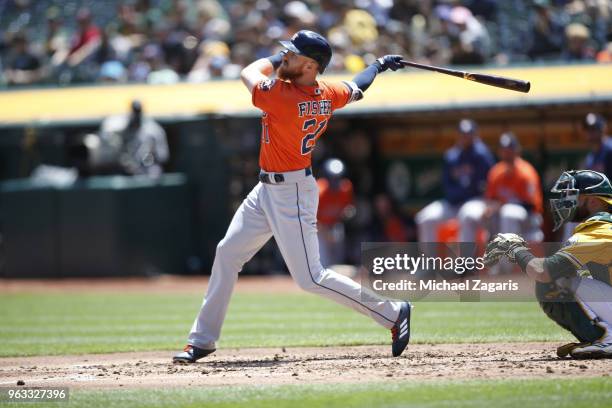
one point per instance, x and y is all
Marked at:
(227, 253)
(222, 248)
(311, 282)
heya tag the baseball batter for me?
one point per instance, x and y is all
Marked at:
(296, 109)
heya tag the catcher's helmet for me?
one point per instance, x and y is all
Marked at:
(311, 45)
(570, 186)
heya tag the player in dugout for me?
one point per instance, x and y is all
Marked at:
(464, 178)
(335, 208)
(513, 192)
(573, 286)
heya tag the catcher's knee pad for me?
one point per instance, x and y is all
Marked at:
(563, 308)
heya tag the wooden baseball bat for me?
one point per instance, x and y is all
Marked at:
(492, 80)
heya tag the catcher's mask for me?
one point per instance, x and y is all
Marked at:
(570, 186)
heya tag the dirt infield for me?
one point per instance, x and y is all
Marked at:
(299, 366)
(275, 366)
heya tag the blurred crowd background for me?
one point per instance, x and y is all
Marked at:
(166, 41)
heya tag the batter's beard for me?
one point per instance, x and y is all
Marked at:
(286, 75)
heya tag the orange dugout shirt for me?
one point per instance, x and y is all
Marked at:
(294, 118)
(515, 184)
(333, 202)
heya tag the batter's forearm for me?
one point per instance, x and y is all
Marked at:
(364, 79)
(256, 72)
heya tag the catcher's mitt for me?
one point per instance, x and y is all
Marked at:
(503, 245)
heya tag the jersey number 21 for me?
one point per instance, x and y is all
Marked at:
(308, 142)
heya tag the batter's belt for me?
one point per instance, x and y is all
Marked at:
(287, 177)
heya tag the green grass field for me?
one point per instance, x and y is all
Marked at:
(587, 393)
(36, 324)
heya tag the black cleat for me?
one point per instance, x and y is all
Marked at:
(191, 354)
(400, 333)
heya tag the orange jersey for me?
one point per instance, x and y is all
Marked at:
(515, 184)
(395, 230)
(332, 203)
(294, 118)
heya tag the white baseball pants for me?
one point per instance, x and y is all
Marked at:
(469, 216)
(288, 212)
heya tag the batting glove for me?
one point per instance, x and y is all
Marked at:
(504, 245)
(391, 62)
(277, 59)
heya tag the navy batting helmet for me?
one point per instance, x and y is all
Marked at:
(311, 45)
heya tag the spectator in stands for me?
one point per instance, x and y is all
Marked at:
(600, 156)
(514, 193)
(297, 16)
(211, 54)
(405, 10)
(332, 13)
(335, 207)
(487, 9)
(546, 32)
(159, 71)
(141, 142)
(105, 51)
(179, 44)
(112, 72)
(577, 46)
(22, 66)
(57, 38)
(468, 38)
(86, 40)
(596, 15)
(212, 21)
(465, 168)
(605, 55)
(436, 32)
(361, 29)
(464, 54)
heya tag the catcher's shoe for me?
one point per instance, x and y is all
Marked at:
(593, 350)
(566, 349)
(400, 332)
(191, 354)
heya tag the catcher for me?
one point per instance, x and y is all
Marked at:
(573, 286)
